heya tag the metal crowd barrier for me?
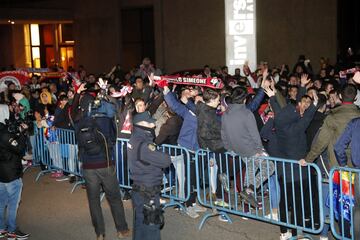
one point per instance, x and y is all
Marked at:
(284, 193)
(174, 188)
(343, 186)
(60, 152)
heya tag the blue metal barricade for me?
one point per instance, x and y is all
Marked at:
(269, 189)
(176, 182)
(36, 153)
(342, 188)
(122, 166)
(174, 186)
(59, 153)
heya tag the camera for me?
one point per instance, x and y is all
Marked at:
(16, 126)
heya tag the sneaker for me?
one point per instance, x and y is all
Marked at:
(199, 208)
(222, 218)
(126, 196)
(162, 201)
(224, 181)
(285, 236)
(211, 196)
(101, 237)
(62, 179)
(28, 156)
(124, 234)
(24, 162)
(323, 238)
(190, 211)
(17, 235)
(248, 197)
(3, 233)
(54, 174)
(72, 179)
(221, 203)
(273, 216)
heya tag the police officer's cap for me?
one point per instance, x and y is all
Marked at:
(143, 117)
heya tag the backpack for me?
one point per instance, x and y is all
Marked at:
(89, 138)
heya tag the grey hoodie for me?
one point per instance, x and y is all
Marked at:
(239, 131)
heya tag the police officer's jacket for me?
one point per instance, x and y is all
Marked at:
(12, 147)
(146, 163)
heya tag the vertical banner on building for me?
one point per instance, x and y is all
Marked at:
(240, 21)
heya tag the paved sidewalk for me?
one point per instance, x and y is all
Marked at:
(49, 211)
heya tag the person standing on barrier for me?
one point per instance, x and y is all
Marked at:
(185, 108)
(209, 137)
(96, 136)
(246, 142)
(146, 170)
(291, 124)
(12, 148)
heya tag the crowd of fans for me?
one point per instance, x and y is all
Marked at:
(296, 113)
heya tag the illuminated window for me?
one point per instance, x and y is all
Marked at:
(35, 36)
(27, 46)
(35, 45)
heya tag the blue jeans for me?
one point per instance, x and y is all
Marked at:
(10, 195)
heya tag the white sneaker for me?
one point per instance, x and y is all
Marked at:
(273, 216)
(222, 218)
(323, 238)
(285, 236)
(199, 208)
(190, 211)
(28, 156)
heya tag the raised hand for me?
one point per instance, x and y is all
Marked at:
(356, 77)
(270, 92)
(304, 80)
(102, 84)
(81, 88)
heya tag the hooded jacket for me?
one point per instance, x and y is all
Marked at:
(209, 128)
(239, 131)
(11, 152)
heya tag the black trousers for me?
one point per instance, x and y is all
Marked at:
(292, 199)
(141, 230)
(105, 178)
(192, 180)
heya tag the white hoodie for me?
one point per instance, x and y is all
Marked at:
(4, 112)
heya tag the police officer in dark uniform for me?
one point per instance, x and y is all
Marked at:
(146, 165)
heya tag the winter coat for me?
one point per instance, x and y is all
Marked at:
(314, 127)
(290, 131)
(188, 132)
(333, 127)
(350, 137)
(169, 131)
(209, 128)
(145, 162)
(11, 151)
(239, 131)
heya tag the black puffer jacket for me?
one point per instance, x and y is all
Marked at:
(12, 147)
(209, 128)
